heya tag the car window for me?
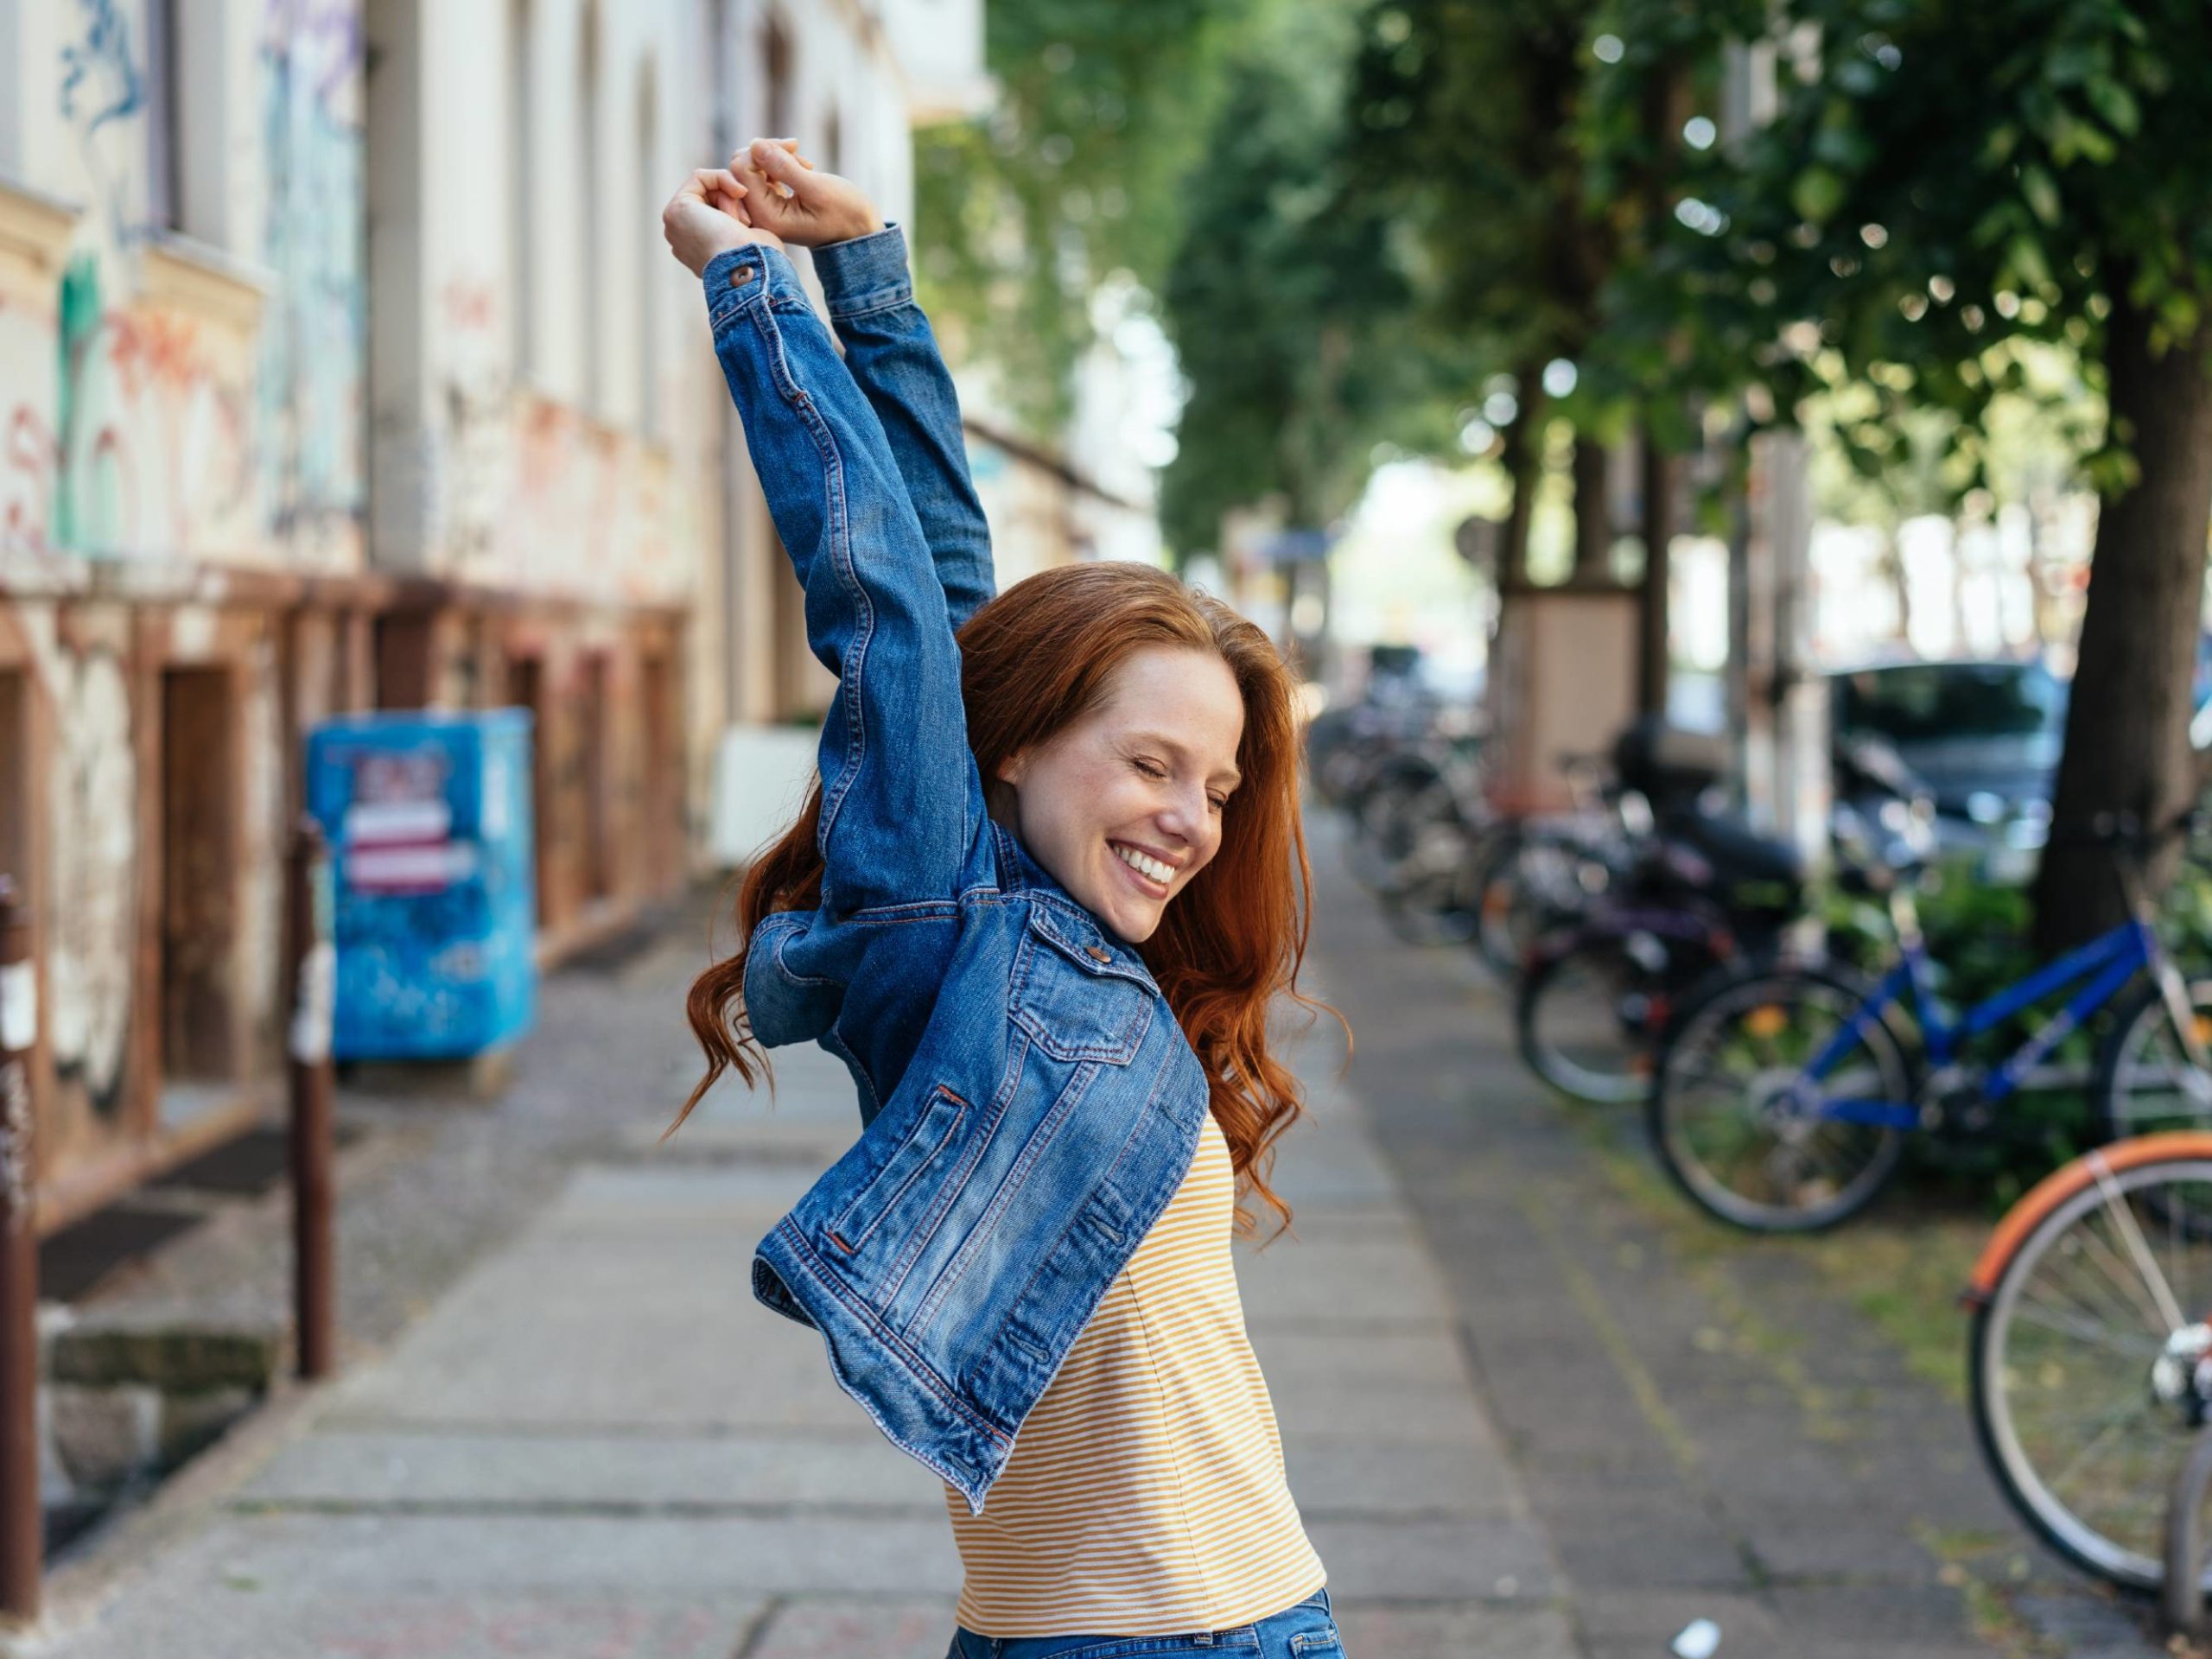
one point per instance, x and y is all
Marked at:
(1928, 702)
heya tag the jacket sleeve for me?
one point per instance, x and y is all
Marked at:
(892, 354)
(900, 800)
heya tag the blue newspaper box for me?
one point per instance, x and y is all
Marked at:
(428, 816)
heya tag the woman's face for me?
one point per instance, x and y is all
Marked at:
(1123, 807)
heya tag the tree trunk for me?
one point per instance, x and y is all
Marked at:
(1521, 451)
(1661, 481)
(1593, 512)
(2127, 723)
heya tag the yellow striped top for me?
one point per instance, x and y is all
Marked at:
(1146, 1493)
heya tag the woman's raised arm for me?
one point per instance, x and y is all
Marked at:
(892, 354)
(889, 349)
(900, 800)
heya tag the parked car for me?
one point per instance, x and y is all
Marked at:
(1983, 735)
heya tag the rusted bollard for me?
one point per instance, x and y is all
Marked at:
(314, 979)
(22, 1550)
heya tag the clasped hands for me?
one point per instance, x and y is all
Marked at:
(769, 193)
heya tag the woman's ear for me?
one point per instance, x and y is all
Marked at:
(1000, 801)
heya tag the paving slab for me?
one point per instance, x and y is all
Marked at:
(1465, 1632)
(241, 1615)
(845, 1629)
(1502, 1557)
(830, 1469)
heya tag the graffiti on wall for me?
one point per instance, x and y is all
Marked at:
(91, 946)
(310, 379)
(103, 97)
(173, 435)
(30, 455)
(544, 497)
(154, 443)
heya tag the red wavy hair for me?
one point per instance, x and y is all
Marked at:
(1034, 660)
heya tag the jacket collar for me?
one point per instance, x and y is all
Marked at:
(1057, 911)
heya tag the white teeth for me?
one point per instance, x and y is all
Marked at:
(1145, 864)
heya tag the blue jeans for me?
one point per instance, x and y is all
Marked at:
(1306, 1631)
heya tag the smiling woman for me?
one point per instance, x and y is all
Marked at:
(1041, 901)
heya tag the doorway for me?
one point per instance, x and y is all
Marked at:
(527, 689)
(200, 889)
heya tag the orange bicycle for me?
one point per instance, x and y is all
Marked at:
(2091, 1358)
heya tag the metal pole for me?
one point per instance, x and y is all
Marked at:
(313, 959)
(22, 1521)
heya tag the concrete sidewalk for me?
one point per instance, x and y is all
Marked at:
(599, 1445)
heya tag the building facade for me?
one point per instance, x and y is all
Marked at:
(343, 367)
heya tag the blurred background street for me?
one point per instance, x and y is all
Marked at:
(1735, 480)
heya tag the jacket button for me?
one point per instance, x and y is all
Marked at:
(741, 276)
(1099, 952)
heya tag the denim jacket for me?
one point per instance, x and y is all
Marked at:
(1029, 1103)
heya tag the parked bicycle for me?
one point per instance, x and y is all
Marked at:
(1781, 1100)
(1702, 892)
(1598, 993)
(2090, 1358)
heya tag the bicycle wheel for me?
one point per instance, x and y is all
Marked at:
(1398, 820)
(1428, 900)
(1740, 1127)
(1537, 882)
(2145, 1082)
(2085, 1348)
(1589, 1015)
(1430, 909)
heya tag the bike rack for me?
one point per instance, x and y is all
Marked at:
(2183, 1599)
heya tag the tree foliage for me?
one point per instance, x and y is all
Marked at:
(1075, 174)
(1287, 301)
(1948, 185)
(1944, 180)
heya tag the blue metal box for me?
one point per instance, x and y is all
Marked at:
(429, 820)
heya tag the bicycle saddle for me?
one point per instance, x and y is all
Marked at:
(1738, 852)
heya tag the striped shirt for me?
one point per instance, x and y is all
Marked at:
(1144, 1495)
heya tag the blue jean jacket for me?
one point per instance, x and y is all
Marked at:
(1029, 1103)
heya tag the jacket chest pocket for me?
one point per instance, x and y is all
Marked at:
(1074, 1005)
(906, 1174)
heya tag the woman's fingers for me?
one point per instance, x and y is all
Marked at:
(783, 169)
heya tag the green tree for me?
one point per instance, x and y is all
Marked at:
(1465, 114)
(1075, 174)
(1659, 68)
(1946, 182)
(1286, 302)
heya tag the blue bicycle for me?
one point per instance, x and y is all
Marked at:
(1781, 1100)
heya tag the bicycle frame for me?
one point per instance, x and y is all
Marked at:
(2107, 963)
